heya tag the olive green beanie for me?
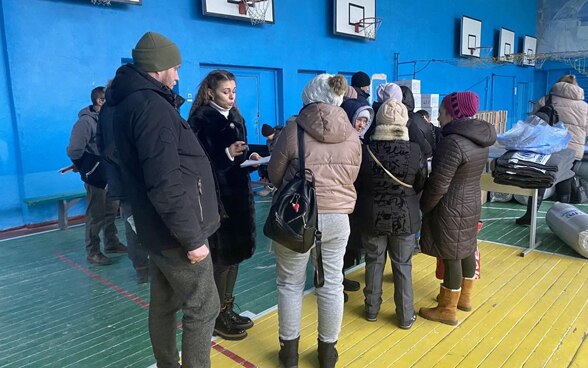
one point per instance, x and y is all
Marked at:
(155, 52)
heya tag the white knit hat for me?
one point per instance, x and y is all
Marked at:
(391, 122)
(387, 91)
(325, 88)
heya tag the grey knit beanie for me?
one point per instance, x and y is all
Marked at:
(155, 52)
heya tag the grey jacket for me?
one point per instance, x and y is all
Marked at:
(83, 134)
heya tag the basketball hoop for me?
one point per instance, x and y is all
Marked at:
(255, 9)
(368, 27)
(101, 2)
(484, 51)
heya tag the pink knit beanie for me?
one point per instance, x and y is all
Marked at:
(461, 104)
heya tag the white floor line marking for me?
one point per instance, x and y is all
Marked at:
(40, 232)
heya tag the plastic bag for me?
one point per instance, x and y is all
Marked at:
(536, 135)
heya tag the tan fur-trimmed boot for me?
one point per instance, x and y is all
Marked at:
(446, 310)
(465, 298)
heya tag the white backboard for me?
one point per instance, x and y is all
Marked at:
(349, 12)
(529, 49)
(506, 45)
(471, 37)
(230, 9)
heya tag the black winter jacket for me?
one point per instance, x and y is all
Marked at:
(165, 171)
(451, 199)
(383, 206)
(419, 130)
(235, 240)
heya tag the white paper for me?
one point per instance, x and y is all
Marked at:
(530, 157)
(261, 161)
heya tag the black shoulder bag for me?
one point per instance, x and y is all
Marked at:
(293, 217)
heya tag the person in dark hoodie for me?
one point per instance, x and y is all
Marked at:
(451, 202)
(173, 199)
(361, 82)
(220, 128)
(418, 129)
(100, 210)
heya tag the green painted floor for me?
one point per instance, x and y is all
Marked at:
(56, 311)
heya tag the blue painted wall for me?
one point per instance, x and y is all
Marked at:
(56, 51)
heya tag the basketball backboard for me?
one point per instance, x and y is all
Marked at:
(471, 37)
(529, 49)
(230, 9)
(506, 45)
(350, 12)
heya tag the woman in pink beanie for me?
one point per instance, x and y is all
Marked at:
(451, 202)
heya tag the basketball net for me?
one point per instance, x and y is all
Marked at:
(101, 2)
(368, 27)
(255, 9)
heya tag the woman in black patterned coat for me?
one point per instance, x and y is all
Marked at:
(390, 210)
(221, 130)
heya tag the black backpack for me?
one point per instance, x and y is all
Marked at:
(548, 112)
(293, 217)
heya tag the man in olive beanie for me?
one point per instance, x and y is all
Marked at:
(172, 194)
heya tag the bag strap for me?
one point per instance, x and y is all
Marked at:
(386, 170)
(319, 272)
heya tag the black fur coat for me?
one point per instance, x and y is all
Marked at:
(235, 240)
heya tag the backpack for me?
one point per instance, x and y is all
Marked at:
(293, 217)
(548, 112)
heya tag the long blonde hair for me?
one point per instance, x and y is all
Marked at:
(211, 81)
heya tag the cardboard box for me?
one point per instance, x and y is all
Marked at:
(413, 84)
(430, 100)
(417, 100)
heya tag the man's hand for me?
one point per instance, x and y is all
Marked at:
(237, 148)
(198, 254)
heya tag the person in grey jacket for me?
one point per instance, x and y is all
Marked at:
(100, 210)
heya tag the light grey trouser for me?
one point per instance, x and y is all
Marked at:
(100, 215)
(291, 277)
(400, 249)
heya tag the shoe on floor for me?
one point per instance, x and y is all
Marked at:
(99, 259)
(350, 285)
(371, 317)
(408, 324)
(345, 297)
(120, 248)
(142, 275)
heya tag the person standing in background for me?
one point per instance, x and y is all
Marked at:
(100, 210)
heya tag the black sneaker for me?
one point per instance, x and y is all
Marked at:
(407, 325)
(350, 285)
(99, 259)
(119, 248)
(371, 317)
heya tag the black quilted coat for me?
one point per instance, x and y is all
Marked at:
(451, 198)
(235, 240)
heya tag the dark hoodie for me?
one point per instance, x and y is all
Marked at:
(451, 199)
(165, 171)
(419, 130)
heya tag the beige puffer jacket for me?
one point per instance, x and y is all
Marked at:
(332, 151)
(568, 100)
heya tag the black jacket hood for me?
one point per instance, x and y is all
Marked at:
(407, 98)
(129, 79)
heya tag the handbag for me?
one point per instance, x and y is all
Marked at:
(577, 193)
(293, 217)
(386, 170)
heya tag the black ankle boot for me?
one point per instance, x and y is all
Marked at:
(526, 218)
(327, 354)
(239, 321)
(225, 328)
(289, 353)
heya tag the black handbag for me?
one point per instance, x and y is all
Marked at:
(293, 217)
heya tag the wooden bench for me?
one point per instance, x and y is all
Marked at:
(64, 203)
(487, 183)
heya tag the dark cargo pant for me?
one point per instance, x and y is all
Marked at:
(100, 215)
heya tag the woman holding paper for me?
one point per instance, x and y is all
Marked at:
(219, 126)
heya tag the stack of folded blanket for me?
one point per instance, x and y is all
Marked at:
(533, 170)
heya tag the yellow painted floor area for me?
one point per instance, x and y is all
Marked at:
(530, 312)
